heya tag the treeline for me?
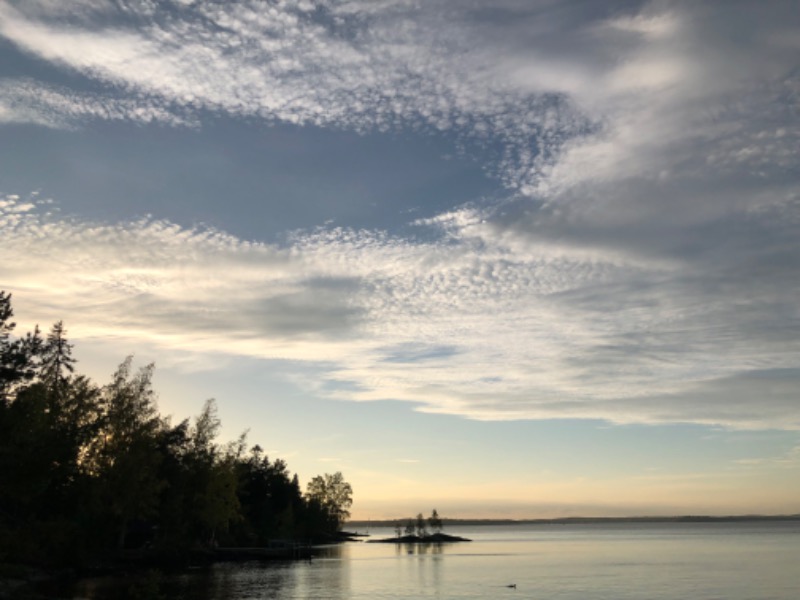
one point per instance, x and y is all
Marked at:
(87, 470)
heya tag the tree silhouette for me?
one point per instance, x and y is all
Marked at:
(421, 526)
(125, 456)
(17, 356)
(214, 476)
(334, 495)
(435, 522)
(56, 362)
(87, 470)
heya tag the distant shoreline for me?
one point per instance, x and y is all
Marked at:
(584, 520)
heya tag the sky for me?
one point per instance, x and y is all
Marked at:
(504, 258)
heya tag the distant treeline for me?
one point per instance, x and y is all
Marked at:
(89, 472)
(589, 520)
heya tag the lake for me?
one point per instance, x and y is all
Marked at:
(609, 561)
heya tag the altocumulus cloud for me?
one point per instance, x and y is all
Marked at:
(643, 267)
(481, 324)
(29, 101)
(340, 64)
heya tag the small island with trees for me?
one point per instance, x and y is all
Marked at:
(420, 530)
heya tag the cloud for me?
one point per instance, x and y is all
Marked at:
(643, 266)
(788, 460)
(684, 102)
(336, 65)
(29, 101)
(572, 97)
(476, 323)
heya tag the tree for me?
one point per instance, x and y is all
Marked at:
(435, 522)
(204, 432)
(43, 487)
(17, 356)
(334, 495)
(84, 469)
(214, 476)
(11, 363)
(175, 531)
(219, 504)
(125, 455)
(271, 500)
(422, 528)
(410, 527)
(56, 363)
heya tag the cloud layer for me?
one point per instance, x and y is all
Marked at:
(481, 324)
(644, 265)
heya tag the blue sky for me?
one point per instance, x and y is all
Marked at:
(511, 258)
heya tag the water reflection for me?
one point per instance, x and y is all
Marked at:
(328, 577)
(418, 548)
(661, 563)
(222, 581)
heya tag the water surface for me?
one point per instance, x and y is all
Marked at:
(619, 561)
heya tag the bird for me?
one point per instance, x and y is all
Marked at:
(512, 585)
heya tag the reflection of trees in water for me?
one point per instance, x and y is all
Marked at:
(321, 579)
(423, 548)
(423, 564)
(232, 580)
(218, 582)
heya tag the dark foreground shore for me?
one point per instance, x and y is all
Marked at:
(21, 581)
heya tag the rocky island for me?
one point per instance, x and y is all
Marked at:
(415, 531)
(434, 538)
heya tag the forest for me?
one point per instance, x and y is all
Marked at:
(94, 471)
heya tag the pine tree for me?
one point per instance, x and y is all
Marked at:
(17, 356)
(56, 362)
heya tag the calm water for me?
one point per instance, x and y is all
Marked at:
(702, 561)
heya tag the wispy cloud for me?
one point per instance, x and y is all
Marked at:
(788, 460)
(300, 62)
(575, 99)
(29, 101)
(644, 266)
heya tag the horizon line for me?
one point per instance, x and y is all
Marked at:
(639, 518)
